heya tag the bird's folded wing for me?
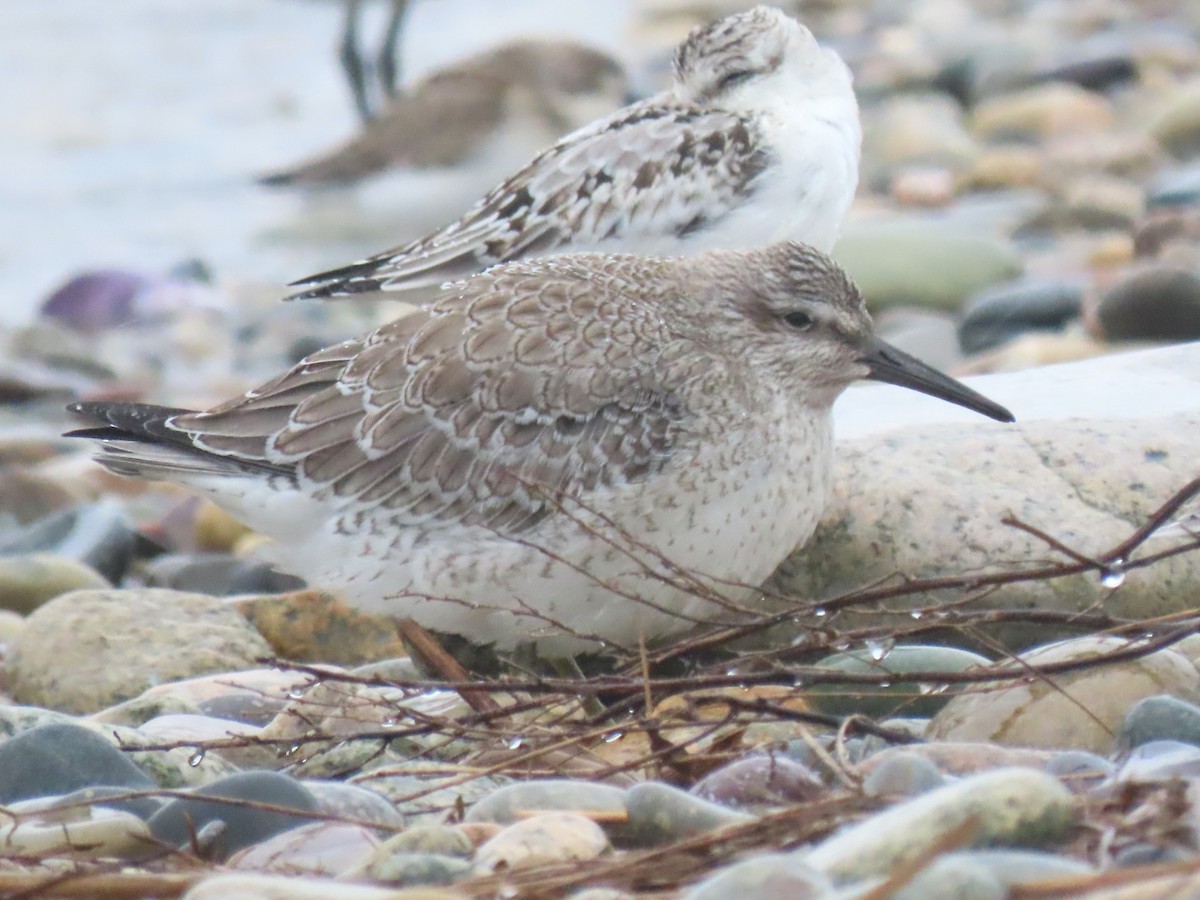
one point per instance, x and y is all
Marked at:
(653, 170)
(486, 408)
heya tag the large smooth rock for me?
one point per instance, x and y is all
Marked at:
(1080, 710)
(87, 650)
(918, 493)
(247, 820)
(58, 759)
(923, 264)
(1008, 807)
(507, 804)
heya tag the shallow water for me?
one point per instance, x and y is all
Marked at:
(133, 130)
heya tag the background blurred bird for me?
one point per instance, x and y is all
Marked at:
(757, 140)
(490, 112)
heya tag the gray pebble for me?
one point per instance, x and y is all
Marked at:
(558, 794)
(903, 775)
(411, 869)
(244, 824)
(759, 781)
(767, 875)
(60, 758)
(1160, 718)
(1160, 760)
(659, 813)
(1001, 313)
(437, 839)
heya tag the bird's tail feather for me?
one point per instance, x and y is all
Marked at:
(137, 439)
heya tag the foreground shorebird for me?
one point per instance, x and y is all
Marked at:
(563, 451)
(491, 112)
(758, 140)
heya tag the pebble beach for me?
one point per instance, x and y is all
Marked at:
(981, 678)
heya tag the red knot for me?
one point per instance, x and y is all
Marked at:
(573, 450)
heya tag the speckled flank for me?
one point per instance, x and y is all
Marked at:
(582, 448)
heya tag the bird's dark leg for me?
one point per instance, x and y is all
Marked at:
(389, 54)
(352, 62)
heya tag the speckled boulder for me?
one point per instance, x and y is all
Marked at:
(1081, 710)
(87, 650)
(931, 500)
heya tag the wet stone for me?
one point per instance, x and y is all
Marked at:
(1160, 718)
(1010, 807)
(1013, 868)
(26, 582)
(425, 799)
(87, 650)
(34, 830)
(251, 886)
(1146, 854)
(100, 535)
(952, 879)
(903, 775)
(1159, 761)
(1001, 313)
(508, 803)
(216, 574)
(1174, 188)
(244, 825)
(1083, 710)
(318, 848)
(659, 813)
(1079, 770)
(54, 759)
(906, 698)
(1162, 304)
(114, 797)
(922, 264)
(764, 875)
(541, 840)
(759, 782)
(436, 839)
(315, 626)
(250, 707)
(413, 869)
(349, 801)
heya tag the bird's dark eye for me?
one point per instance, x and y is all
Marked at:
(733, 79)
(798, 320)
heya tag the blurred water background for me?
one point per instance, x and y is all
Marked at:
(133, 131)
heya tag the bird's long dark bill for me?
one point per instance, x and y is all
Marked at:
(895, 367)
